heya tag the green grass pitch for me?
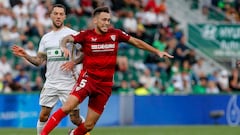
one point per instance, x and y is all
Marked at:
(142, 130)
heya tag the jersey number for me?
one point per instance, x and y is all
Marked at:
(82, 84)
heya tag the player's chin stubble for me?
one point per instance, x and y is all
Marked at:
(57, 26)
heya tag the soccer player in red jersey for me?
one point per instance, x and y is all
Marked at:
(99, 46)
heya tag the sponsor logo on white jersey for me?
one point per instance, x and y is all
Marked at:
(54, 53)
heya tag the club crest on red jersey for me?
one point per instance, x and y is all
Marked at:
(113, 37)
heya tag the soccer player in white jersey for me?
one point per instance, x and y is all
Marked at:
(59, 75)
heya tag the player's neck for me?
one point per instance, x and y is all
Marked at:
(57, 28)
(98, 31)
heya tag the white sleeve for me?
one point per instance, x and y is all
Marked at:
(41, 47)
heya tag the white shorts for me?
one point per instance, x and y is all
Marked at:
(50, 96)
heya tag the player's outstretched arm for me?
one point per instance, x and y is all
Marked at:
(145, 46)
(63, 45)
(68, 66)
(35, 60)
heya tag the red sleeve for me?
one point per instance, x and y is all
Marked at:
(123, 36)
(79, 37)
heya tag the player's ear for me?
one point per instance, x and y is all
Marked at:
(94, 20)
(51, 16)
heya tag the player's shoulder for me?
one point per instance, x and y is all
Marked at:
(46, 35)
(117, 31)
(86, 32)
(69, 31)
(114, 30)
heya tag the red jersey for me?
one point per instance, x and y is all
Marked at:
(100, 53)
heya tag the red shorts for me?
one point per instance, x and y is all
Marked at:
(98, 93)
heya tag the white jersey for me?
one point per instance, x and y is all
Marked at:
(50, 45)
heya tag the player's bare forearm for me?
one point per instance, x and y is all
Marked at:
(66, 40)
(145, 46)
(142, 45)
(68, 66)
(36, 60)
(79, 59)
(63, 45)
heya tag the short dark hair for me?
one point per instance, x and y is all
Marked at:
(98, 10)
(60, 6)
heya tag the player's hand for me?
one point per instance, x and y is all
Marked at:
(162, 54)
(68, 66)
(18, 51)
(65, 52)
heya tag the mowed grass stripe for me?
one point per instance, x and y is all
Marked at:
(138, 130)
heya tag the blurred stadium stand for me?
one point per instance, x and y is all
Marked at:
(179, 93)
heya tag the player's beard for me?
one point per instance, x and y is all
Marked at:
(57, 26)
